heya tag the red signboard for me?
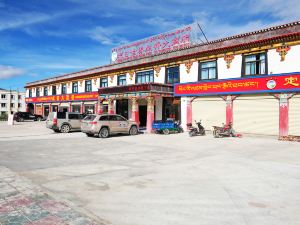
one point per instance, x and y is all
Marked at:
(61, 98)
(259, 84)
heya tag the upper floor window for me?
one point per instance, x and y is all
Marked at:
(63, 89)
(3, 105)
(37, 92)
(12, 97)
(208, 70)
(19, 97)
(54, 90)
(3, 96)
(144, 77)
(88, 86)
(254, 64)
(19, 105)
(12, 105)
(45, 91)
(75, 87)
(103, 82)
(30, 93)
(121, 80)
(172, 75)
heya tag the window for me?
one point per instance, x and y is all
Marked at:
(30, 93)
(12, 97)
(144, 77)
(103, 118)
(3, 96)
(61, 115)
(75, 87)
(103, 82)
(121, 80)
(37, 92)
(54, 90)
(19, 105)
(255, 64)
(208, 70)
(63, 88)
(19, 97)
(12, 105)
(3, 105)
(74, 116)
(88, 86)
(45, 91)
(172, 75)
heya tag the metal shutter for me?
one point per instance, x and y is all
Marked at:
(294, 115)
(256, 114)
(211, 111)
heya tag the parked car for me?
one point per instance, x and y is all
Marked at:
(64, 121)
(22, 116)
(104, 125)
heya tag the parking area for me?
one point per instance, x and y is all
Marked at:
(160, 179)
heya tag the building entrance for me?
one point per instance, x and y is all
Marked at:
(122, 107)
(143, 115)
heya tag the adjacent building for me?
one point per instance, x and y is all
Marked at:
(251, 80)
(12, 101)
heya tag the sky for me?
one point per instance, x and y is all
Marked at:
(45, 38)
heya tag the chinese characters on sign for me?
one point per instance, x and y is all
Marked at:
(274, 83)
(176, 39)
(71, 97)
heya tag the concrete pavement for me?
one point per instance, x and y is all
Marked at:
(157, 179)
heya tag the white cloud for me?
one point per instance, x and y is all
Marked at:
(7, 72)
(162, 23)
(106, 36)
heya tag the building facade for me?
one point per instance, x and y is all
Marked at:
(11, 101)
(234, 79)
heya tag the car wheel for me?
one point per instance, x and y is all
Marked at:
(133, 130)
(104, 132)
(166, 131)
(39, 119)
(90, 135)
(21, 120)
(191, 133)
(65, 128)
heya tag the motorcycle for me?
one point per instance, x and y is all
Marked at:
(194, 131)
(224, 131)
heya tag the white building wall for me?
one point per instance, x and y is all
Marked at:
(290, 64)
(130, 80)
(58, 89)
(112, 82)
(161, 75)
(96, 85)
(192, 76)
(81, 87)
(69, 87)
(235, 68)
(8, 100)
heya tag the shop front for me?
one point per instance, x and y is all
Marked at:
(266, 105)
(142, 103)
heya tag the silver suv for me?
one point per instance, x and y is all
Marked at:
(64, 121)
(104, 125)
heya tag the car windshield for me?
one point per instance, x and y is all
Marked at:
(89, 118)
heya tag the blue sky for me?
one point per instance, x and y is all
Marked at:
(44, 38)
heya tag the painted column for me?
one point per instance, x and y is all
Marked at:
(150, 113)
(96, 108)
(100, 106)
(284, 113)
(70, 106)
(111, 106)
(27, 108)
(81, 107)
(50, 107)
(229, 108)
(34, 109)
(135, 110)
(189, 110)
(43, 113)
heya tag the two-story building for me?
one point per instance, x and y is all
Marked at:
(252, 80)
(12, 101)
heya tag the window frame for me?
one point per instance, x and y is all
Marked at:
(64, 88)
(166, 75)
(30, 93)
(73, 86)
(54, 88)
(89, 85)
(37, 92)
(200, 63)
(121, 79)
(142, 74)
(45, 93)
(4, 96)
(243, 72)
(101, 82)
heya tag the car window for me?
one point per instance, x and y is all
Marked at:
(103, 118)
(113, 118)
(61, 115)
(73, 116)
(120, 118)
(90, 118)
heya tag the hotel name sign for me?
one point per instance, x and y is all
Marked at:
(259, 84)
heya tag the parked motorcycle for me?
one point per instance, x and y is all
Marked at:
(224, 131)
(194, 131)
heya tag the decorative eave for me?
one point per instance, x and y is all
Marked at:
(279, 34)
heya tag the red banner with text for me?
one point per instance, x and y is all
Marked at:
(259, 84)
(62, 98)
